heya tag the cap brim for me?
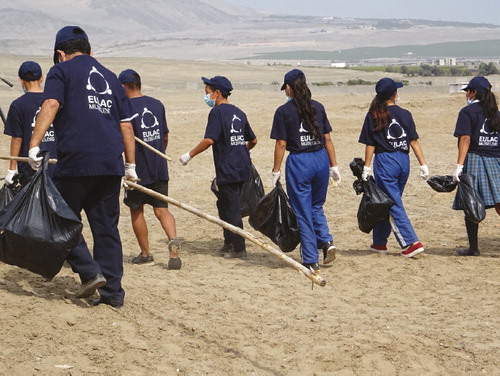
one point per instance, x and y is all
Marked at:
(399, 84)
(466, 88)
(206, 81)
(283, 86)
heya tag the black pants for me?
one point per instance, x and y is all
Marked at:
(228, 204)
(99, 197)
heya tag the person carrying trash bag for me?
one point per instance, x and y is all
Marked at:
(478, 131)
(301, 126)
(388, 133)
(92, 120)
(21, 120)
(229, 134)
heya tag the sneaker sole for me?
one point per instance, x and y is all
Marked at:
(90, 289)
(174, 263)
(414, 253)
(381, 251)
(330, 255)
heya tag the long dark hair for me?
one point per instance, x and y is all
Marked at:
(490, 107)
(305, 107)
(380, 113)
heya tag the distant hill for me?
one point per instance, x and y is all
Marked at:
(211, 30)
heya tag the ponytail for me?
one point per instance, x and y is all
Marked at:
(380, 113)
(305, 107)
(490, 107)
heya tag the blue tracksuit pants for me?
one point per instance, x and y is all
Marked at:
(99, 197)
(307, 177)
(391, 171)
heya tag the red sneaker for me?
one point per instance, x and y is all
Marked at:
(413, 250)
(379, 248)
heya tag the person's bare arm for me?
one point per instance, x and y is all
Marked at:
(15, 148)
(128, 141)
(279, 153)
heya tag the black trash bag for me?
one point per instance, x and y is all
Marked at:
(37, 228)
(7, 193)
(357, 170)
(442, 183)
(251, 193)
(374, 206)
(471, 203)
(275, 218)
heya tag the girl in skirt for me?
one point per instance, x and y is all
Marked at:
(477, 129)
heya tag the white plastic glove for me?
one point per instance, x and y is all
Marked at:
(366, 173)
(130, 173)
(185, 158)
(275, 177)
(457, 172)
(34, 161)
(424, 172)
(10, 176)
(335, 175)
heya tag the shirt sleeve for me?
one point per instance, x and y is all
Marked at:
(13, 126)
(366, 136)
(464, 124)
(412, 129)
(327, 128)
(249, 135)
(54, 85)
(278, 130)
(214, 126)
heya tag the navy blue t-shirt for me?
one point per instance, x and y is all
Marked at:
(93, 103)
(397, 135)
(228, 127)
(473, 122)
(288, 126)
(21, 122)
(151, 127)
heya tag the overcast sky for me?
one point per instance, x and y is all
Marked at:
(478, 11)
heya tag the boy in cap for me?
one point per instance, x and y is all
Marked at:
(231, 138)
(21, 121)
(151, 127)
(92, 119)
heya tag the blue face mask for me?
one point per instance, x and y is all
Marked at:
(288, 99)
(470, 101)
(208, 101)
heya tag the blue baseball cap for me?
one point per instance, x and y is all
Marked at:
(478, 83)
(386, 87)
(68, 33)
(220, 83)
(290, 77)
(30, 71)
(129, 75)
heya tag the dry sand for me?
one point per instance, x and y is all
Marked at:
(437, 314)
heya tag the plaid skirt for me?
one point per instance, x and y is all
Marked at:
(486, 171)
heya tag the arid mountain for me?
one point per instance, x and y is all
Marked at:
(208, 30)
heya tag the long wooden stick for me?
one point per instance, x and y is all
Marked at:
(316, 278)
(146, 145)
(25, 159)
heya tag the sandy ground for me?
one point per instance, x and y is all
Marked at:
(437, 314)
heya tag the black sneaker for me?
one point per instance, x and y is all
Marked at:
(101, 301)
(467, 252)
(174, 248)
(329, 251)
(88, 288)
(242, 255)
(225, 248)
(143, 260)
(314, 266)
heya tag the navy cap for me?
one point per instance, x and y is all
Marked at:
(30, 71)
(386, 87)
(290, 77)
(68, 33)
(220, 83)
(478, 83)
(129, 75)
